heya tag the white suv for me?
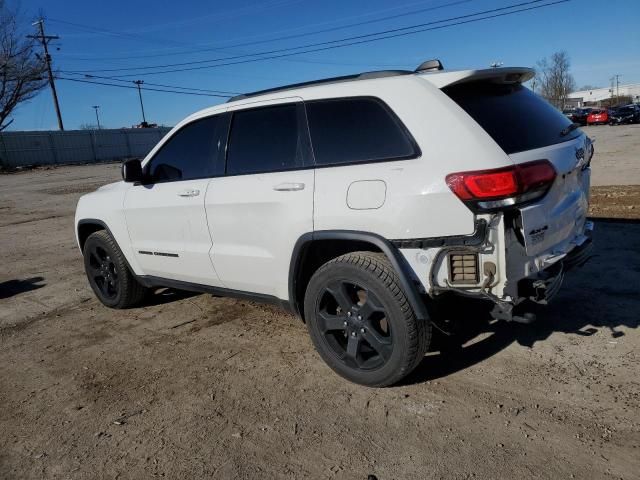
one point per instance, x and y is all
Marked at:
(355, 202)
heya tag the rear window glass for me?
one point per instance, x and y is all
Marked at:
(515, 117)
(353, 130)
(264, 140)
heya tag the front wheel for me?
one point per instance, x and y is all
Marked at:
(360, 320)
(108, 273)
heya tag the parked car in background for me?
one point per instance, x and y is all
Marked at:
(569, 113)
(599, 116)
(580, 115)
(625, 115)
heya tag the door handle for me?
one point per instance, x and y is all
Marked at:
(289, 187)
(189, 193)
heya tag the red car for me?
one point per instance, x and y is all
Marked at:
(598, 116)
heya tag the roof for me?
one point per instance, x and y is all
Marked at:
(431, 70)
(429, 65)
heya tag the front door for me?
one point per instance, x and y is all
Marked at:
(166, 215)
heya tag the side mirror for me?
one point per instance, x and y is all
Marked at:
(132, 171)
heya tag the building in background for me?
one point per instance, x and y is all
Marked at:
(604, 97)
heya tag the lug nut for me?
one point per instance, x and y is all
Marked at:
(344, 323)
(353, 334)
(348, 314)
(359, 317)
(362, 330)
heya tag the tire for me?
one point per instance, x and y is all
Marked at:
(360, 320)
(108, 273)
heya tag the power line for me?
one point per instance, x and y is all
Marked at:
(329, 45)
(155, 84)
(286, 37)
(143, 88)
(114, 33)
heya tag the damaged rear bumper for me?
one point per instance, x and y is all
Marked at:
(541, 288)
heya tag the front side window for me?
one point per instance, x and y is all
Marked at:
(265, 139)
(353, 130)
(189, 154)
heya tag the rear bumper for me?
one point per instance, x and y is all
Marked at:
(546, 284)
(581, 253)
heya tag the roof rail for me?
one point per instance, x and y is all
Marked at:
(346, 78)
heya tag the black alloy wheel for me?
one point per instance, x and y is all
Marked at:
(103, 271)
(108, 273)
(354, 325)
(360, 320)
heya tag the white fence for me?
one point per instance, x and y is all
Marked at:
(19, 149)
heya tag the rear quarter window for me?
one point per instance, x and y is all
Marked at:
(515, 117)
(356, 130)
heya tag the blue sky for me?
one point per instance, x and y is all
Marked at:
(602, 39)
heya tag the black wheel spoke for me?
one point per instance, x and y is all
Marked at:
(353, 347)
(329, 322)
(381, 345)
(338, 290)
(370, 306)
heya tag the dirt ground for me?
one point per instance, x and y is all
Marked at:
(192, 386)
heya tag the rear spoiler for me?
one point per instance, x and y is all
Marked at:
(507, 75)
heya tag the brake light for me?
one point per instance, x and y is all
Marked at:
(489, 189)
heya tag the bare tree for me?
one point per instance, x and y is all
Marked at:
(22, 71)
(555, 79)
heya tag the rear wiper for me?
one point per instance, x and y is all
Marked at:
(566, 131)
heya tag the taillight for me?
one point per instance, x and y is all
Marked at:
(503, 187)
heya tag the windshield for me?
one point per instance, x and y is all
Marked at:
(515, 117)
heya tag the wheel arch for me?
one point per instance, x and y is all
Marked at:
(314, 249)
(86, 227)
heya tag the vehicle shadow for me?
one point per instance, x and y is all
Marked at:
(603, 294)
(15, 287)
(160, 296)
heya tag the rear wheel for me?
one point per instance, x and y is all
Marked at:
(360, 320)
(108, 273)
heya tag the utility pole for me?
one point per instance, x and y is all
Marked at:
(138, 83)
(617, 89)
(96, 107)
(44, 40)
(611, 89)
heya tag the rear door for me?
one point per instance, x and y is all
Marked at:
(528, 128)
(165, 216)
(257, 212)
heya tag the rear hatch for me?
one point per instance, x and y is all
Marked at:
(528, 128)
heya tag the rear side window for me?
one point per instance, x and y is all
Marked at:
(515, 117)
(264, 140)
(190, 153)
(356, 130)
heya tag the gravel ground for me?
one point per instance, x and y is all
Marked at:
(192, 386)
